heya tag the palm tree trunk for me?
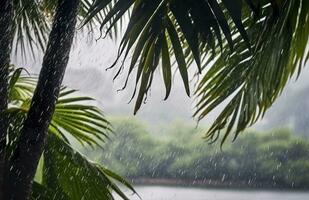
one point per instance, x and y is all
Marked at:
(6, 38)
(31, 144)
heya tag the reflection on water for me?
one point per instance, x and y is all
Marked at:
(178, 193)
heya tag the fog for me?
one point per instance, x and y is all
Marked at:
(87, 72)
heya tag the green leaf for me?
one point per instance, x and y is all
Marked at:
(76, 176)
(180, 58)
(166, 68)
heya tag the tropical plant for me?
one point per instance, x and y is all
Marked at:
(28, 23)
(30, 144)
(33, 20)
(255, 47)
(245, 51)
(61, 165)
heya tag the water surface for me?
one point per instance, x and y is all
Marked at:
(180, 193)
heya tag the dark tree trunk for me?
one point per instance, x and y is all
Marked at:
(31, 144)
(6, 38)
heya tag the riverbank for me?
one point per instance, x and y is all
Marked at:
(275, 159)
(208, 184)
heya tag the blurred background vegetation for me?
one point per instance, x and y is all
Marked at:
(276, 159)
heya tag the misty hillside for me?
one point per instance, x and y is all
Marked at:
(291, 109)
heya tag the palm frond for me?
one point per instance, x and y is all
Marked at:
(256, 46)
(31, 26)
(250, 82)
(75, 177)
(74, 115)
(33, 19)
(21, 87)
(170, 30)
(65, 173)
(84, 122)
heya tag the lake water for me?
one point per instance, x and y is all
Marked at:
(180, 193)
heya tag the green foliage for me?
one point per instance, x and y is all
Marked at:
(252, 80)
(64, 173)
(33, 19)
(169, 28)
(31, 25)
(68, 171)
(247, 49)
(274, 159)
(74, 116)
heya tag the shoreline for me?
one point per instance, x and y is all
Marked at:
(211, 184)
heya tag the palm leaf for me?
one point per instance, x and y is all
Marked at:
(256, 46)
(158, 25)
(66, 174)
(75, 176)
(252, 81)
(32, 22)
(73, 115)
(31, 26)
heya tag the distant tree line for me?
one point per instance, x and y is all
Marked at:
(276, 159)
